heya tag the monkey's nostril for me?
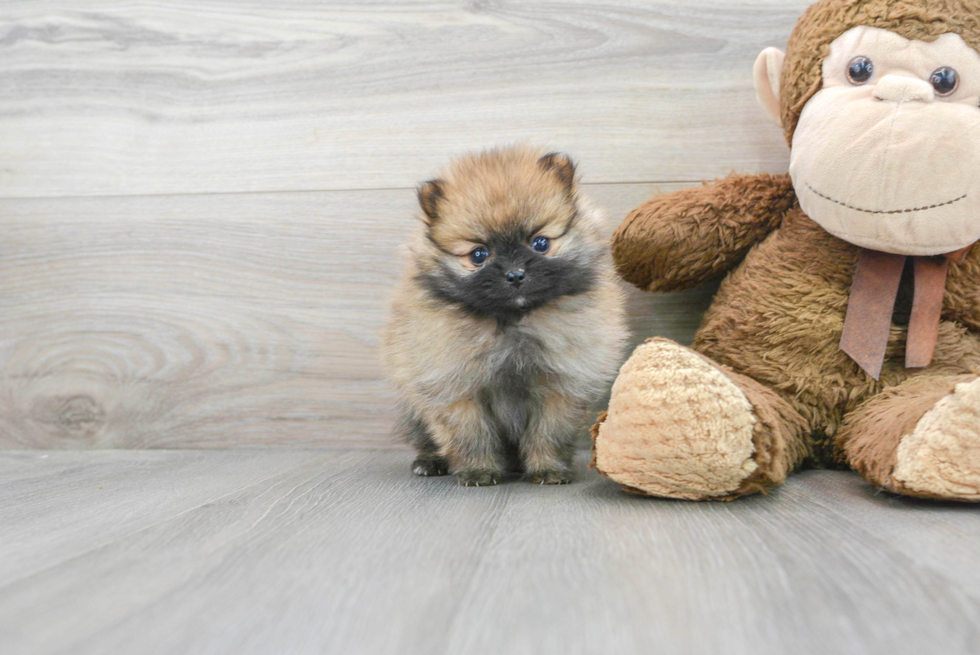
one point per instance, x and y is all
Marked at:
(516, 277)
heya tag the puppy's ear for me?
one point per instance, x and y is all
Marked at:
(561, 166)
(431, 193)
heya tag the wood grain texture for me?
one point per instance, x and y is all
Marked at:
(217, 320)
(142, 488)
(181, 96)
(347, 552)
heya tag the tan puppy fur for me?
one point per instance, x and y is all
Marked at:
(507, 323)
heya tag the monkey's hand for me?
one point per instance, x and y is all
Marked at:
(681, 239)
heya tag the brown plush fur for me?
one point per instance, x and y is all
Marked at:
(779, 316)
(776, 439)
(725, 218)
(871, 434)
(775, 325)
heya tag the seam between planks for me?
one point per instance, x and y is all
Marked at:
(478, 564)
(269, 192)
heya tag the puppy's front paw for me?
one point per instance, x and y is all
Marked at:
(478, 478)
(555, 476)
(430, 465)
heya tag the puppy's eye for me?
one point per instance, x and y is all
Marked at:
(541, 244)
(945, 81)
(860, 70)
(479, 255)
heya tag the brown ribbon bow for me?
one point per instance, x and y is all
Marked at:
(872, 302)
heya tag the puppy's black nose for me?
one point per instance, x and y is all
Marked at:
(515, 277)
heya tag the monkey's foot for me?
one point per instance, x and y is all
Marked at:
(555, 476)
(478, 478)
(430, 465)
(678, 426)
(941, 457)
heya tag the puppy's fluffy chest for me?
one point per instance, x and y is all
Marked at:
(485, 354)
(516, 350)
(517, 354)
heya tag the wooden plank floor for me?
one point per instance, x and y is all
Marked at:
(344, 551)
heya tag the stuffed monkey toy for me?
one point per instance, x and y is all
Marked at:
(847, 329)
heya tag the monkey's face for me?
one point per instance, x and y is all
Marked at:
(887, 154)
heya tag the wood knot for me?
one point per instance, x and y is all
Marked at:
(77, 416)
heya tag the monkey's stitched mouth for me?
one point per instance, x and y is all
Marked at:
(893, 211)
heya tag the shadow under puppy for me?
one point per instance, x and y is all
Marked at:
(508, 322)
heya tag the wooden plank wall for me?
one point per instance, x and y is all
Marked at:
(201, 202)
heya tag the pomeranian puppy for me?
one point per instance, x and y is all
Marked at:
(508, 322)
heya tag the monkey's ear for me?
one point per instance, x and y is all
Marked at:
(768, 68)
(562, 166)
(430, 194)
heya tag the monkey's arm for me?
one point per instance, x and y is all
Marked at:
(681, 239)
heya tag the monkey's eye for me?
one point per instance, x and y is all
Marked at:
(479, 255)
(541, 244)
(860, 70)
(945, 81)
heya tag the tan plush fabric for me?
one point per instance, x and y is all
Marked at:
(871, 434)
(766, 72)
(863, 165)
(677, 426)
(941, 458)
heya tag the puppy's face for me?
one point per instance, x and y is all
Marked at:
(504, 235)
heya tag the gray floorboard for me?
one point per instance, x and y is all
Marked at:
(344, 551)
